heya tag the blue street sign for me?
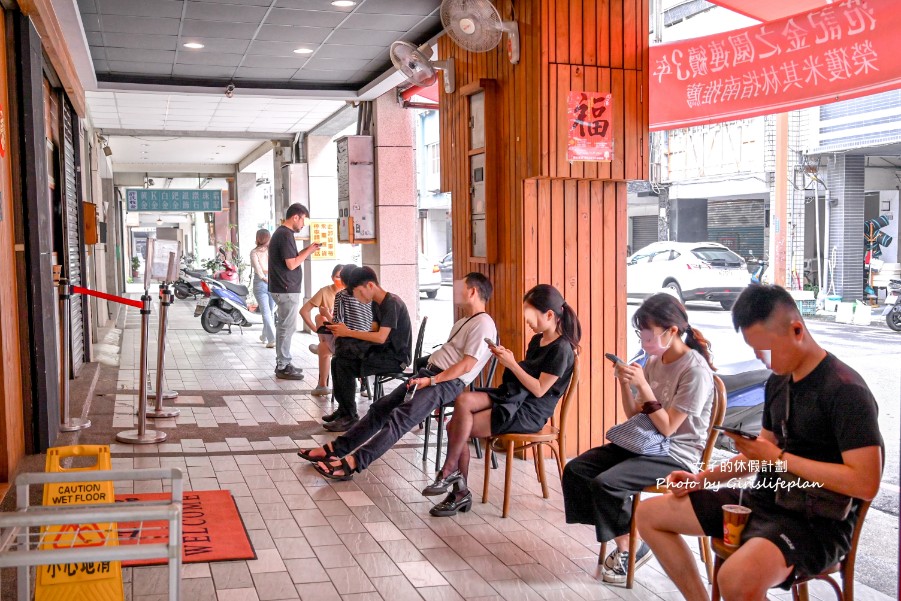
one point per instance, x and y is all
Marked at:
(144, 200)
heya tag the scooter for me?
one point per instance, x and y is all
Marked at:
(189, 284)
(745, 383)
(226, 306)
(892, 310)
(229, 272)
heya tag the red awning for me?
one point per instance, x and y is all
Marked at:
(430, 92)
(770, 10)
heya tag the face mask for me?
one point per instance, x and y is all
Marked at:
(653, 346)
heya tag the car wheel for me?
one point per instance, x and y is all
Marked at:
(431, 293)
(893, 319)
(672, 287)
(727, 305)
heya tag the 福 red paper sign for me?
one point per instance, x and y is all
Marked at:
(836, 52)
(590, 135)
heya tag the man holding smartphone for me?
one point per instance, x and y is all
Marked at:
(285, 281)
(449, 370)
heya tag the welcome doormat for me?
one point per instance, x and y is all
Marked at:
(212, 528)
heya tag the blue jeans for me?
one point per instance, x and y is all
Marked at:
(267, 308)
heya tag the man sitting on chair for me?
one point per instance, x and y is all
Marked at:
(449, 370)
(386, 348)
(819, 423)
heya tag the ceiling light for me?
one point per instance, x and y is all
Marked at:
(344, 3)
(304, 51)
(194, 45)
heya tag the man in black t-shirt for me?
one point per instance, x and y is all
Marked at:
(384, 349)
(820, 423)
(285, 280)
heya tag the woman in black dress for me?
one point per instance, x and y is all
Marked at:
(526, 399)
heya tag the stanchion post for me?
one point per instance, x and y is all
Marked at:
(142, 435)
(66, 423)
(159, 411)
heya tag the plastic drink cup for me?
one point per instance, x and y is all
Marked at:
(735, 517)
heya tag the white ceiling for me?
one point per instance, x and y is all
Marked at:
(135, 150)
(149, 111)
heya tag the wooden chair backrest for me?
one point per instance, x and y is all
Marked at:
(717, 413)
(569, 398)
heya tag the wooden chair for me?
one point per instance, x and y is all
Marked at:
(716, 419)
(443, 411)
(553, 435)
(378, 389)
(845, 568)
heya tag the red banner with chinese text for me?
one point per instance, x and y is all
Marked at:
(840, 51)
(590, 135)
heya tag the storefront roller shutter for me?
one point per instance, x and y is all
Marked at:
(72, 236)
(738, 224)
(644, 231)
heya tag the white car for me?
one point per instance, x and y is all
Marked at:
(690, 271)
(429, 277)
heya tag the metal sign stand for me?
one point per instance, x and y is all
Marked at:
(142, 435)
(159, 411)
(66, 424)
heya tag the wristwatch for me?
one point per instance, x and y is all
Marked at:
(432, 381)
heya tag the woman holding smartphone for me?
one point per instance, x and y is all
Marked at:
(675, 390)
(526, 399)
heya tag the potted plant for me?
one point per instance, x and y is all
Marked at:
(135, 266)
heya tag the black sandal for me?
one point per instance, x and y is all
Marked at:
(329, 454)
(329, 470)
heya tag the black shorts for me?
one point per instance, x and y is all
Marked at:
(809, 546)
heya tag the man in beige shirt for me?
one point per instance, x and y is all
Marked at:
(324, 300)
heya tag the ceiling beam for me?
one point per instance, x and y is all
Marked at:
(132, 174)
(185, 133)
(337, 122)
(262, 92)
(255, 154)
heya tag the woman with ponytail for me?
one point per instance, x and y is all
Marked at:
(526, 399)
(675, 391)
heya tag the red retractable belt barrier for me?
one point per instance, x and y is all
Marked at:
(116, 299)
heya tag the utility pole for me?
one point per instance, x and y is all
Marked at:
(779, 202)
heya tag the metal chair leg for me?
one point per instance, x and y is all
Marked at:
(428, 433)
(439, 439)
(478, 446)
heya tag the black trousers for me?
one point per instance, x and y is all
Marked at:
(353, 360)
(598, 486)
(392, 416)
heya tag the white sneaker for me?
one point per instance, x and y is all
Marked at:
(270, 345)
(321, 391)
(314, 348)
(616, 564)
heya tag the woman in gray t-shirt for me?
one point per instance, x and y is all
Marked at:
(675, 390)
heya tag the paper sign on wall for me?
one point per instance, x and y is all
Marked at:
(590, 135)
(325, 232)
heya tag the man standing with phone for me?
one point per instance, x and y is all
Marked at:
(285, 281)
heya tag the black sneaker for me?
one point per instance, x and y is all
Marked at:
(342, 424)
(616, 565)
(337, 414)
(289, 373)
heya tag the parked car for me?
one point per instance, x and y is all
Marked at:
(690, 271)
(429, 277)
(446, 265)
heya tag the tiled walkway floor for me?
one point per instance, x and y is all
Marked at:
(368, 539)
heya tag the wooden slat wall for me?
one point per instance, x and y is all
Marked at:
(561, 223)
(12, 421)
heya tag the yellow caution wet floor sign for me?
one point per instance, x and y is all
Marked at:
(82, 581)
